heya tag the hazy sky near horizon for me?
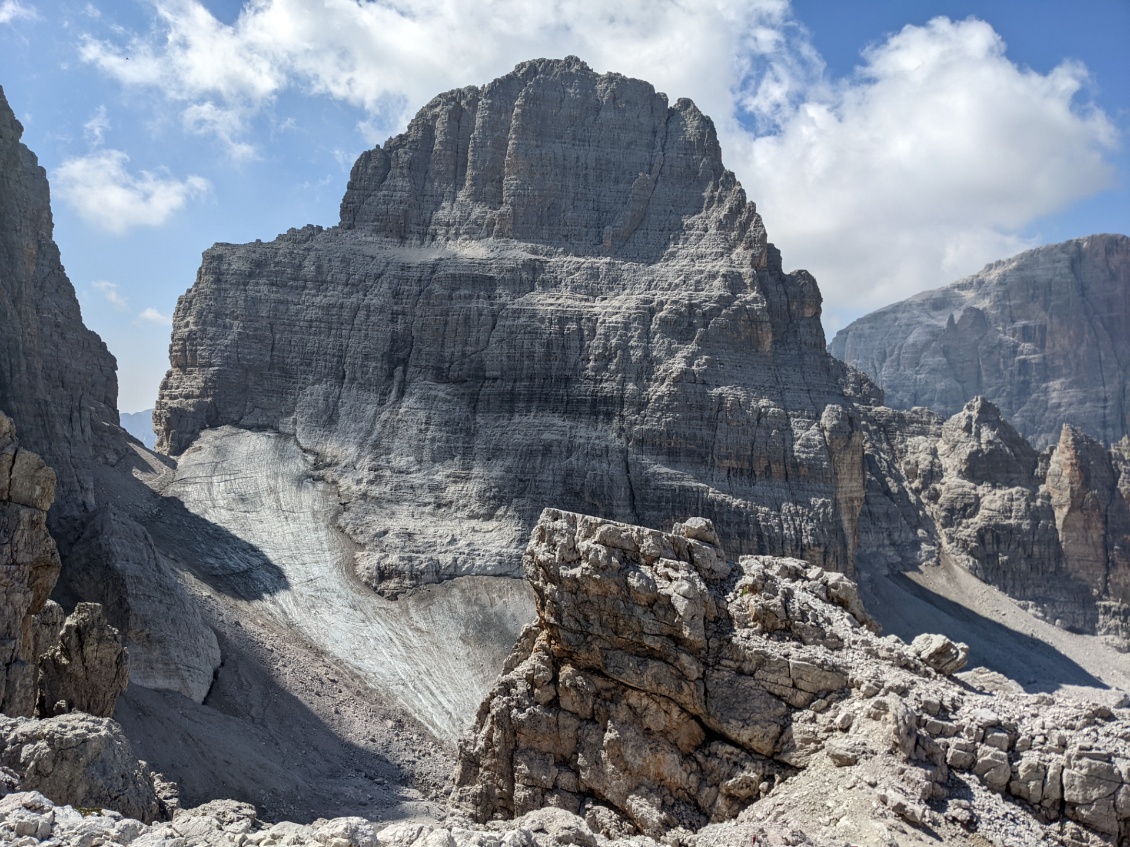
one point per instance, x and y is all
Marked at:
(890, 147)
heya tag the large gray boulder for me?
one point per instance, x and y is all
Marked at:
(80, 760)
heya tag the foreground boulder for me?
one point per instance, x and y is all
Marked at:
(80, 760)
(663, 689)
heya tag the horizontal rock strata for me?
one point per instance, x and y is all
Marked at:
(548, 291)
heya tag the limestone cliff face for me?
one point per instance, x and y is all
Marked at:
(548, 291)
(57, 379)
(1050, 529)
(29, 566)
(1044, 335)
(1092, 515)
(58, 385)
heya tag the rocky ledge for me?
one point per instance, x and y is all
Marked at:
(664, 689)
(668, 696)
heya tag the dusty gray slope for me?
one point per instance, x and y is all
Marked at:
(1045, 335)
(549, 290)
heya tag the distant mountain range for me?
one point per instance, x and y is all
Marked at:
(1044, 335)
(140, 426)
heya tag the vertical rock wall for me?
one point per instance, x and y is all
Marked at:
(29, 566)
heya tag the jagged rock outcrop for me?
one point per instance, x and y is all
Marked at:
(29, 566)
(549, 290)
(1086, 486)
(663, 689)
(87, 669)
(58, 384)
(1044, 335)
(1051, 530)
(83, 761)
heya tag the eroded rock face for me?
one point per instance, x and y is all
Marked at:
(29, 566)
(87, 669)
(1044, 335)
(1092, 513)
(57, 379)
(58, 384)
(663, 689)
(497, 326)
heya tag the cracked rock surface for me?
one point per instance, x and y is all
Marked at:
(663, 690)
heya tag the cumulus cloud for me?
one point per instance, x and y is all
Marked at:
(925, 165)
(152, 316)
(105, 194)
(389, 59)
(110, 291)
(933, 158)
(11, 10)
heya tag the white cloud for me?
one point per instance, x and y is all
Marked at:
(95, 129)
(931, 160)
(110, 291)
(926, 165)
(105, 194)
(389, 59)
(11, 10)
(151, 315)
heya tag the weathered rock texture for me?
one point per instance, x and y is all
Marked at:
(549, 290)
(663, 689)
(58, 384)
(57, 379)
(1051, 530)
(87, 669)
(29, 566)
(1044, 335)
(82, 761)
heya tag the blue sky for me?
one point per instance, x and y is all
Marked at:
(890, 146)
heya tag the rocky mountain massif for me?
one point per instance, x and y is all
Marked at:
(549, 292)
(456, 355)
(1044, 335)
